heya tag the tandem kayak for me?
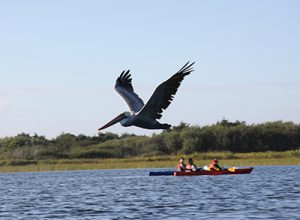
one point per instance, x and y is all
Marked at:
(215, 172)
(231, 170)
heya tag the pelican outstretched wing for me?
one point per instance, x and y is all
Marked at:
(164, 93)
(124, 88)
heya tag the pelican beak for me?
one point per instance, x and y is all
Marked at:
(114, 121)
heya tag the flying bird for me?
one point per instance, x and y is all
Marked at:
(141, 115)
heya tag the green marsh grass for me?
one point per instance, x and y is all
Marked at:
(169, 161)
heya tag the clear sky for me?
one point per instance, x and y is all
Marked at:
(59, 61)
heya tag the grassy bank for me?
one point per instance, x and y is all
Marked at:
(201, 159)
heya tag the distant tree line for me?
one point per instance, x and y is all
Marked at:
(182, 139)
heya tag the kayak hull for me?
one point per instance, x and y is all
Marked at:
(214, 172)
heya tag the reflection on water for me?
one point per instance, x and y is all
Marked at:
(266, 193)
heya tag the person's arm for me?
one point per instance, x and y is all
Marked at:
(182, 167)
(194, 167)
(218, 167)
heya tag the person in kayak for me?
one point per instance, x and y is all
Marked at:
(191, 166)
(214, 165)
(181, 165)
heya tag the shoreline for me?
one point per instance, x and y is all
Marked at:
(135, 163)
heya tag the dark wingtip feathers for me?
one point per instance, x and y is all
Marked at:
(187, 68)
(125, 75)
(125, 80)
(172, 86)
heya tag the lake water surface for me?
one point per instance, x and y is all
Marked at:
(271, 192)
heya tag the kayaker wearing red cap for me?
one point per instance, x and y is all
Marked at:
(214, 165)
(191, 166)
(181, 165)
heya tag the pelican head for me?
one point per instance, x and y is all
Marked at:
(122, 118)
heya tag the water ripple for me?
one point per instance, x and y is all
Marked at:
(267, 193)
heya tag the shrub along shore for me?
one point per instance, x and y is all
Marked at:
(236, 143)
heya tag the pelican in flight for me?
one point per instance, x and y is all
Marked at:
(141, 115)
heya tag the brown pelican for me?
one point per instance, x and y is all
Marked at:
(142, 115)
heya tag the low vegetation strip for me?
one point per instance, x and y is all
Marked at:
(201, 159)
(234, 143)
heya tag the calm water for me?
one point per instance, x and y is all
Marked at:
(267, 193)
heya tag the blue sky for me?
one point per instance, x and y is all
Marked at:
(60, 60)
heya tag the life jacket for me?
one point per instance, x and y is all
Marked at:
(191, 167)
(213, 167)
(188, 167)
